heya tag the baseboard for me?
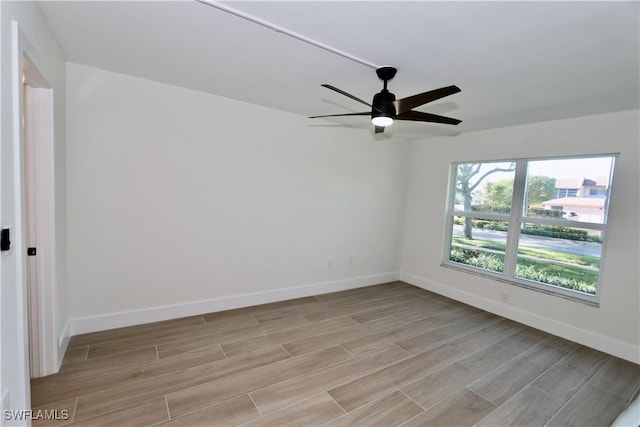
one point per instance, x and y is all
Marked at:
(103, 322)
(563, 330)
(63, 343)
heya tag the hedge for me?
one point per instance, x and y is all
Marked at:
(536, 230)
(559, 232)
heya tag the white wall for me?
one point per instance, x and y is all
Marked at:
(615, 325)
(178, 197)
(43, 51)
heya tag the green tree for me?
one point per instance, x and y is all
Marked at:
(498, 195)
(540, 189)
(467, 180)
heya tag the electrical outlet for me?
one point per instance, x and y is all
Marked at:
(330, 263)
(504, 297)
(351, 259)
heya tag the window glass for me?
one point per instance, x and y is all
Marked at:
(485, 187)
(565, 257)
(485, 249)
(574, 182)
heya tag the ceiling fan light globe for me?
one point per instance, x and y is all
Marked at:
(382, 121)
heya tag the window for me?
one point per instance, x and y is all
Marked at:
(597, 192)
(505, 221)
(566, 192)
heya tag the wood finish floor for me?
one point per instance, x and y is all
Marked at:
(385, 355)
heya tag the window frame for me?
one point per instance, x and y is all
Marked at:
(515, 218)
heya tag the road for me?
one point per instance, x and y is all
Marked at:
(539, 242)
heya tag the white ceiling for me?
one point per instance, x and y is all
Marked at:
(516, 62)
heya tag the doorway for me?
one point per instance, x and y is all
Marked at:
(38, 196)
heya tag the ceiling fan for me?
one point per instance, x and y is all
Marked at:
(385, 108)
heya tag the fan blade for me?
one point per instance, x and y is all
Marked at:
(406, 104)
(419, 116)
(355, 98)
(364, 113)
(379, 129)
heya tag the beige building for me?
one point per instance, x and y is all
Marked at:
(580, 199)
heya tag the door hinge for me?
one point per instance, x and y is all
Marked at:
(31, 251)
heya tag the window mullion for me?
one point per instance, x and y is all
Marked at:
(513, 235)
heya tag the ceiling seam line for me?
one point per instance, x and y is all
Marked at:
(278, 29)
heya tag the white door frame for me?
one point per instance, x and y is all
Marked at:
(38, 151)
(41, 138)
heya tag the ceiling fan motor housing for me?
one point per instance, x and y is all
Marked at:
(383, 105)
(386, 73)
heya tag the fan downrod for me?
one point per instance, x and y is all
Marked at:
(386, 73)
